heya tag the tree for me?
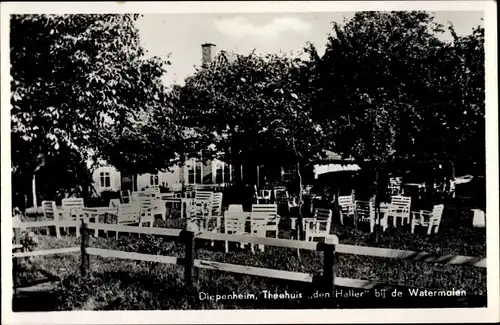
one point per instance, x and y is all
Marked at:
(78, 81)
(372, 79)
(253, 109)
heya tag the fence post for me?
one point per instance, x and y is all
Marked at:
(189, 257)
(84, 233)
(329, 265)
(15, 260)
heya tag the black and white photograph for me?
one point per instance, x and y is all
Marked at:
(335, 160)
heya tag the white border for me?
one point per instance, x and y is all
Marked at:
(268, 316)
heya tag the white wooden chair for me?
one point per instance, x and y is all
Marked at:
(365, 213)
(50, 211)
(261, 223)
(428, 219)
(319, 226)
(399, 208)
(264, 196)
(158, 207)
(346, 204)
(125, 196)
(217, 204)
(395, 185)
(128, 214)
(72, 209)
(234, 224)
(146, 208)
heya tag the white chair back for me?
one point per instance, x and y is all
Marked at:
(72, 207)
(400, 205)
(129, 213)
(113, 203)
(125, 196)
(49, 210)
(235, 208)
(204, 195)
(271, 209)
(437, 213)
(346, 202)
(323, 217)
(217, 204)
(234, 222)
(364, 210)
(318, 226)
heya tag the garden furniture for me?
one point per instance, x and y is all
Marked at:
(478, 218)
(428, 219)
(365, 212)
(346, 205)
(261, 223)
(319, 226)
(235, 224)
(72, 208)
(399, 208)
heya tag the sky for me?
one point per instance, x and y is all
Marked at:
(179, 36)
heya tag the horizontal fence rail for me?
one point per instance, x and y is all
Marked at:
(260, 240)
(252, 270)
(409, 255)
(46, 223)
(133, 229)
(54, 251)
(133, 256)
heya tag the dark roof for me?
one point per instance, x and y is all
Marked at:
(207, 44)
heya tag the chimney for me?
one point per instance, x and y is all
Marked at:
(207, 53)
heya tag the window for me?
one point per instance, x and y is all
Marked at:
(105, 179)
(219, 173)
(153, 180)
(222, 173)
(194, 173)
(198, 173)
(227, 173)
(289, 174)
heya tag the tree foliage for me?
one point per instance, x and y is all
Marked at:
(79, 81)
(250, 108)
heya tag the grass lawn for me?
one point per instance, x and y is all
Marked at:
(132, 285)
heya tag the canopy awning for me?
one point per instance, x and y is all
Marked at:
(331, 168)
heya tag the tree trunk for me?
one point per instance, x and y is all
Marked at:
(33, 188)
(300, 228)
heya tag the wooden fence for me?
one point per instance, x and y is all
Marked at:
(189, 262)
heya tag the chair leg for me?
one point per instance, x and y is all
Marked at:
(372, 225)
(429, 229)
(412, 227)
(227, 247)
(436, 229)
